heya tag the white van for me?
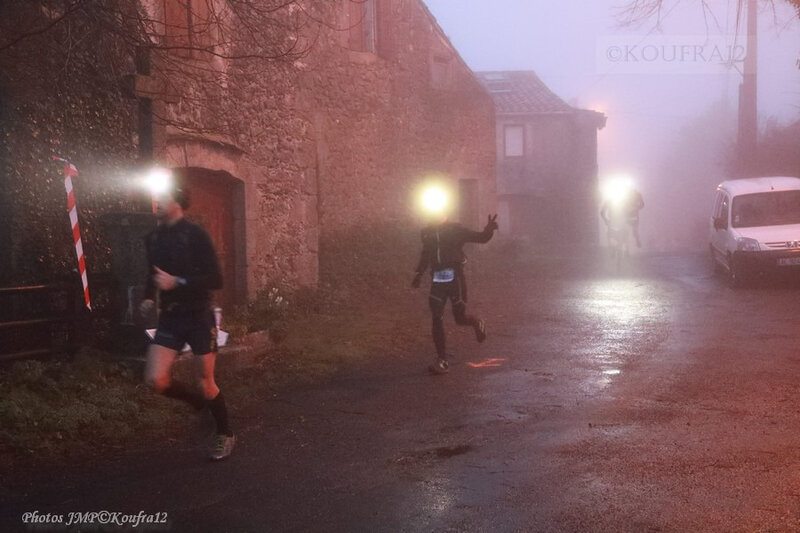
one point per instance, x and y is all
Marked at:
(755, 227)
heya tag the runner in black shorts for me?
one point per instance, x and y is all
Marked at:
(183, 272)
(442, 251)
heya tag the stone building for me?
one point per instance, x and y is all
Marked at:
(298, 146)
(546, 160)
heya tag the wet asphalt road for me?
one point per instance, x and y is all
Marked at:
(655, 399)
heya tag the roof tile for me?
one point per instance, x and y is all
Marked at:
(521, 91)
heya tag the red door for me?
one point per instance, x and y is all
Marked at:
(212, 200)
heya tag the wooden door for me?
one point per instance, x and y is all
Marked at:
(212, 203)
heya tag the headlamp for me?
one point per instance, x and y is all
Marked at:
(745, 244)
(158, 181)
(433, 198)
(616, 190)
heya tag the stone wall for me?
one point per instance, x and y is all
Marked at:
(327, 144)
(332, 143)
(385, 124)
(57, 101)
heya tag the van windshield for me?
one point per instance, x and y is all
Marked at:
(766, 209)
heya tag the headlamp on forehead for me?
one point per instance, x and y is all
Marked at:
(434, 199)
(162, 182)
(159, 181)
(617, 189)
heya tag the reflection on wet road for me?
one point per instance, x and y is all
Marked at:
(601, 324)
(621, 314)
(656, 400)
(573, 338)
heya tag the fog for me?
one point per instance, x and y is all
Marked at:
(670, 123)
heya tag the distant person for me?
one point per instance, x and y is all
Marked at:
(442, 252)
(624, 210)
(634, 204)
(183, 270)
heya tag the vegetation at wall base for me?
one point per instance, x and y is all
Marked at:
(97, 402)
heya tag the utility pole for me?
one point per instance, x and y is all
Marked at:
(748, 95)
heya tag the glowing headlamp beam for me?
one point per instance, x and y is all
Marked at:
(158, 181)
(434, 200)
(616, 190)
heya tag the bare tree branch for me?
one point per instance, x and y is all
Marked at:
(205, 61)
(70, 8)
(637, 12)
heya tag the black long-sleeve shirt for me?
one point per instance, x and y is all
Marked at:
(442, 245)
(185, 250)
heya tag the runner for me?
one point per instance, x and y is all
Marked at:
(183, 270)
(442, 244)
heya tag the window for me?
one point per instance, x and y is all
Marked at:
(362, 25)
(497, 82)
(766, 209)
(723, 214)
(718, 204)
(498, 86)
(187, 26)
(514, 141)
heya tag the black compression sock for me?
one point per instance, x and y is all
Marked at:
(180, 391)
(220, 414)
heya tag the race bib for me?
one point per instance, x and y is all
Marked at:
(444, 276)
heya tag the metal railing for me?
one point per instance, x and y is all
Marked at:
(38, 320)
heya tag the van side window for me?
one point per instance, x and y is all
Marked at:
(717, 204)
(724, 209)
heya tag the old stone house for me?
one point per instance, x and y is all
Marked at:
(302, 126)
(546, 160)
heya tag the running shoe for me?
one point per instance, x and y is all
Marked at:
(440, 366)
(223, 447)
(480, 331)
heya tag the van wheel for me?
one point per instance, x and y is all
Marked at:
(735, 276)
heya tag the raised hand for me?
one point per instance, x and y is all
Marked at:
(491, 224)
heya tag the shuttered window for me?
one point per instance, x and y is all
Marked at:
(362, 25)
(188, 26)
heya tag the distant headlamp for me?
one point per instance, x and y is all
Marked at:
(616, 190)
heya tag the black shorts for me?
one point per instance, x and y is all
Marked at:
(455, 291)
(197, 329)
